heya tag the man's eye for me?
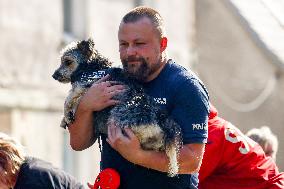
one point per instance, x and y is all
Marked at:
(140, 43)
(68, 62)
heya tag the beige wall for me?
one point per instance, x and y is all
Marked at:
(179, 22)
(38, 131)
(30, 100)
(30, 35)
(179, 17)
(5, 118)
(244, 84)
(103, 22)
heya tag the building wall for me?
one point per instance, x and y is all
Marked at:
(38, 131)
(30, 33)
(179, 17)
(244, 84)
(179, 20)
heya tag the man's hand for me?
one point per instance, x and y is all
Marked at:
(100, 94)
(127, 144)
(97, 97)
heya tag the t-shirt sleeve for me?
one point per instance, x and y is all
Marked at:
(190, 110)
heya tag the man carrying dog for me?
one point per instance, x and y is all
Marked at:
(142, 47)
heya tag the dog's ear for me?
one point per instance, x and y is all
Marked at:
(87, 47)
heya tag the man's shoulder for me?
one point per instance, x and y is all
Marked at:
(178, 74)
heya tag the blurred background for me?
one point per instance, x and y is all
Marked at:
(235, 46)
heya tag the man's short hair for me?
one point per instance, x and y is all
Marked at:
(11, 159)
(266, 139)
(142, 11)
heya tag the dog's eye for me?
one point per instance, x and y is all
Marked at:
(68, 62)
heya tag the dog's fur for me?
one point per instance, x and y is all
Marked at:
(81, 65)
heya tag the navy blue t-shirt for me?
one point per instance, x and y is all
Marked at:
(184, 97)
(180, 93)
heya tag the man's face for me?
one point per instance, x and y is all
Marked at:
(139, 48)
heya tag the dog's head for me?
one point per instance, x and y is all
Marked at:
(72, 56)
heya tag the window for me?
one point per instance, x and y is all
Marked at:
(74, 20)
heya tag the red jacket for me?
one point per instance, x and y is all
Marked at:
(234, 161)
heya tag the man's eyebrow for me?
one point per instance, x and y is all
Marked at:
(139, 40)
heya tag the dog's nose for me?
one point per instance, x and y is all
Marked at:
(55, 75)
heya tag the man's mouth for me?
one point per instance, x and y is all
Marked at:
(133, 62)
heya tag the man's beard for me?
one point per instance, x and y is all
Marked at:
(138, 71)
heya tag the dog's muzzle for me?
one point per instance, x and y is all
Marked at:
(56, 76)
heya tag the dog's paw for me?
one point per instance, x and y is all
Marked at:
(71, 116)
(63, 124)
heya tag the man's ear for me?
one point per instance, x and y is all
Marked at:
(163, 44)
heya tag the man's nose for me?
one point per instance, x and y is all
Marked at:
(131, 50)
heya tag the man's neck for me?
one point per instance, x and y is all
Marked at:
(156, 73)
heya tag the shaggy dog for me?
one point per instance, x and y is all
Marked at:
(82, 65)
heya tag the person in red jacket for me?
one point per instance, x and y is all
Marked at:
(232, 160)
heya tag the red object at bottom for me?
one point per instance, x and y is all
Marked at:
(107, 179)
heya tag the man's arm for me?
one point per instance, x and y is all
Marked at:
(81, 130)
(98, 97)
(129, 147)
(189, 159)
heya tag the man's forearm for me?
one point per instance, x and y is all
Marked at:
(81, 131)
(129, 147)
(189, 160)
(153, 160)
